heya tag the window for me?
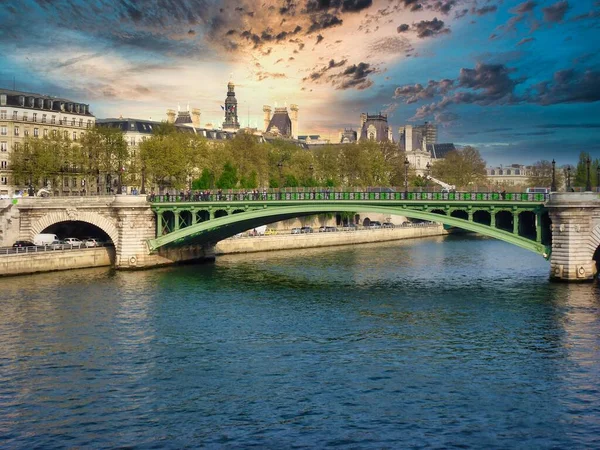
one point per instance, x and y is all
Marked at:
(45, 132)
(508, 172)
(3, 146)
(3, 131)
(35, 117)
(53, 121)
(517, 172)
(54, 133)
(73, 182)
(43, 118)
(66, 182)
(132, 141)
(36, 132)
(16, 131)
(66, 135)
(80, 122)
(3, 114)
(492, 172)
(14, 115)
(3, 99)
(26, 132)
(4, 181)
(81, 135)
(89, 123)
(3, 164)
(73, 122)
(16, 146)
(74, 135)
(25, 117)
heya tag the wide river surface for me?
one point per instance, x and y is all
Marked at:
(432, 343)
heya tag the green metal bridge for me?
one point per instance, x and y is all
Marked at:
(519, 219)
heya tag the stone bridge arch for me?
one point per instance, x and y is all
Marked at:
(104, 223)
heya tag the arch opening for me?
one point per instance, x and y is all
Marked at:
(185, 219)
(202, 216)
(527, 224)
(168, 222)
(366, 222)
(77, 229)
(482, 217)
(546, 229)
(504, 221)
(220, 213)
(439, 211)
(237, 211)
(460, 214)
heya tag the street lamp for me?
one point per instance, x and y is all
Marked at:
(588, 182)
(428, 167)
(553, 187)
(406, 163)
(568, 178)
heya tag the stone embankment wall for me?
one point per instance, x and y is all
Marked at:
(20, 264)
(298, 241)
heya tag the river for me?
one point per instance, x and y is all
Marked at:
(445, 342)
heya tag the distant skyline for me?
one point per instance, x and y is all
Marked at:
(520, 80)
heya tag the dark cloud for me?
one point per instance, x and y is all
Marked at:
(355, 76)
(356, 5)
(319, 39)
(485, 10)
(556, 12)
(568, 86)
(317, 74)
(414, 93)
(443, 7)
(525, 40)
(429, 28)
(402, 28)
(525, 7)
(324, 21)
(412, 5)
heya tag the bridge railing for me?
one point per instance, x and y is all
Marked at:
(35, 249)
(326, 195)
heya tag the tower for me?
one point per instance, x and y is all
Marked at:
(196, 117)
(267, 119)
(170, 116)
(294, 118)
(231, 118)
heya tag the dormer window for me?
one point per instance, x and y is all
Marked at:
(31, 102)
(3, 99)
(21, 100)
(40, 103)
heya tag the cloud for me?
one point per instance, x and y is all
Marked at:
(355, 76)
(324, 21)
(402, 28)
(569, 125)
(484, 10)
(391, 46)
(417, 92)
(264, 75)
(525, 40)
(429, 28)
(556, 12)
(568, 86)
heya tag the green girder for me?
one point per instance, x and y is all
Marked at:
(260, 212)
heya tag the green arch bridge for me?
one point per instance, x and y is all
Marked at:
(519, 219)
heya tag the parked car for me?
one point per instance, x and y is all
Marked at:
(21, 244)
(295, 230)
(387, 225)
(44, 239)
(306, 230)
(330, 229)
(375, 225)
(352, 227)
(322, 229)
(57, 245)
(91, 242)
(73, 242)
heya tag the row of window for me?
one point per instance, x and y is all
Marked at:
(506, 172)
(36, 133)
(42, 103)
(34, 118)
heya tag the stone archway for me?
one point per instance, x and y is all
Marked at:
(73, 215)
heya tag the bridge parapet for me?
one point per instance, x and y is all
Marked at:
(575, 230)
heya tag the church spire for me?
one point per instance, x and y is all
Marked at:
(231, 117)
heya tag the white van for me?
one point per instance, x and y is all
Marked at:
(44, 239)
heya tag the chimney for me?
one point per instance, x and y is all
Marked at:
(170, 116)
(408, 138)
(267, 111)
(196, 117)
(294, 118)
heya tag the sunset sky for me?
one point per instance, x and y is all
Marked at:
(519, 80)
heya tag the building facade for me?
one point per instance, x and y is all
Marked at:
(513, 175)
(27, 114)
(374, 127)
(231, 110)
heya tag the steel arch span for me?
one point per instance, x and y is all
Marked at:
(220, 228)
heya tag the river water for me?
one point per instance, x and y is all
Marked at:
(431, 343)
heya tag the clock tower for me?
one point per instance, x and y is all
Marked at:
(231, 117)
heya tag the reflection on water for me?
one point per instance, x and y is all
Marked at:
(443, 342)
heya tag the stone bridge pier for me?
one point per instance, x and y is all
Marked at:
(575, 235)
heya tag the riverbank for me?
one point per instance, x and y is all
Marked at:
(299, 241)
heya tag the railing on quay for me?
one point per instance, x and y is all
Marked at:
(36, 249)
(328, 195)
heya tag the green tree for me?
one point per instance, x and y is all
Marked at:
(540, 175)
(462, 168)
(206, 180)
(228, 178)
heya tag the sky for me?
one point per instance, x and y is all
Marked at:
(519, 80)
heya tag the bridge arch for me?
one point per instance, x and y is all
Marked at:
(594, 246)
(226, 226)
(98, 220)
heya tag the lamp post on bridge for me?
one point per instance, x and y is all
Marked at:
(428, 167)
(406, 163)
(568, 178)
(553, 187)
(588, 182)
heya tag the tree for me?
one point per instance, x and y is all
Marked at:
(228, 178)
(206, 180)
(540, 175)
(461, 168)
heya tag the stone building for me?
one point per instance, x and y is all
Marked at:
(27, 114)
(375, 128)
(513, 175)
(283, 124)
(231, 110)
(348, 136)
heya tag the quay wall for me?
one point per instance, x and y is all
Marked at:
(311, 240)
(21, 264)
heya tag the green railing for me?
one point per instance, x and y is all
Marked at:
(348, 196)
